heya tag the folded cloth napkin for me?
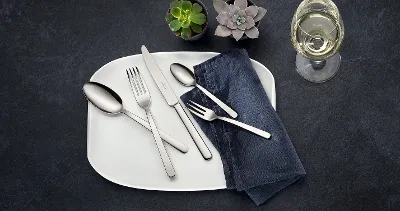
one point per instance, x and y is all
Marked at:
(259, 166)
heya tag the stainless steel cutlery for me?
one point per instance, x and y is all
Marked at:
(186, 77)
(172, 101)
(108, 101)
(209, 115)
(143, 99)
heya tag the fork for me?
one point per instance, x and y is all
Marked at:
(142, 97)
(209, 115)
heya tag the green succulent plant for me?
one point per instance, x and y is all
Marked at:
(185, 18)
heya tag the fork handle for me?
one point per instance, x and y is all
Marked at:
(205, 152)
(161, 148)
(247, 127)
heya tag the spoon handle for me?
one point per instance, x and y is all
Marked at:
(221, 104)
(167, 138)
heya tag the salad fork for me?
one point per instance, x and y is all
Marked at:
(209, 115)
(142, 97)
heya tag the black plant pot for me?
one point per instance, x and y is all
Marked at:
(202, 33)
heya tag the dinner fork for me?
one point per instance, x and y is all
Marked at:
(142, 97)
(209, 115)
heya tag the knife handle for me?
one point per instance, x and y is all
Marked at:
(205, 152)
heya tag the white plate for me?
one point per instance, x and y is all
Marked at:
(124, 152)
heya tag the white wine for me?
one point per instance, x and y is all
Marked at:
(317, 30)
(317, 34)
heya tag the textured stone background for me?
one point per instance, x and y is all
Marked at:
(346, 131)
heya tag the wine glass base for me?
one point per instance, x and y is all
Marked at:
(323, 74)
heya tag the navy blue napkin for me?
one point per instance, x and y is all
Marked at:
(253, 164)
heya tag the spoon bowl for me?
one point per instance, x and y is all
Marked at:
(183, 74)
(103, 97)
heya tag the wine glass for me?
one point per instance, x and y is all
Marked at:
(317, 33)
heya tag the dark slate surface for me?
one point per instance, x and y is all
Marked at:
(346, 131)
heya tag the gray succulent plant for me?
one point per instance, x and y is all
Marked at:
(237, 19)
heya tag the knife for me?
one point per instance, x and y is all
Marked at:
(172, 101)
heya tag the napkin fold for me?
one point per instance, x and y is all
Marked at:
(253, 164)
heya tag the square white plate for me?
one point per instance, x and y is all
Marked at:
(125, 153)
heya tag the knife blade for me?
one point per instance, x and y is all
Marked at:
(172, 101)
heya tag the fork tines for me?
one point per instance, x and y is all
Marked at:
(136, 81)
(196, 108)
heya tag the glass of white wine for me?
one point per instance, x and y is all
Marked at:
(317, 33)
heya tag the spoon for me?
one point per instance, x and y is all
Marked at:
(186, 77)
(110, 102)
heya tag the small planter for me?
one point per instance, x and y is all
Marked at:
(195, 32)
(239, 19)
(250, 3)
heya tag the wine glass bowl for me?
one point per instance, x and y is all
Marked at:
(317, 33)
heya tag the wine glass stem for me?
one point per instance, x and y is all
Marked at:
(317, 65)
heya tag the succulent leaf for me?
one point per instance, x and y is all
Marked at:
(251, 11)
(252, 33)
(242, 27)
(196, 8)
(237, 34)
(241, 13)
(249, 22)
(176, 12)
(242, 4)
(186, 5)
(195, 27)
(223, 18)
(185, 23)
(174, 4)
(198, 18)
(223, 31)
(186, 33)
(220, 6)
(169, 18)
(231, 24)
(175, 25)
(184, 15)
(233, 9)
(260, 14)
